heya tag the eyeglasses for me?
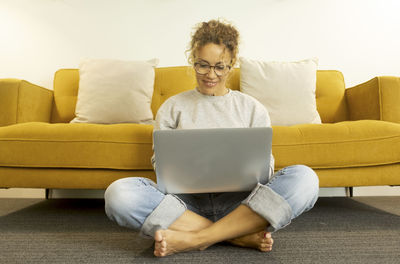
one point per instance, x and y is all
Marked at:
(204, 68)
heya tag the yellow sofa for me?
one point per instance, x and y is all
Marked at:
(358, 143)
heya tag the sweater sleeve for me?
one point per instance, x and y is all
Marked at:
(260, 118)
(165, 119)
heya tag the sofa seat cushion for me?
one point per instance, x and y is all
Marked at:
(129, 146)
(36, 144)
(337, 145)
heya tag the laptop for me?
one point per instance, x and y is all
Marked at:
(212, 160)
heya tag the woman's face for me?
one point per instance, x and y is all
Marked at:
(212, 82)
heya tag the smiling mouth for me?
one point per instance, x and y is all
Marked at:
(210, 84)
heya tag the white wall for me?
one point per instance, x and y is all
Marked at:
(358, 37)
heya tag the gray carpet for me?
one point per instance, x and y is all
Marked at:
(337, 230)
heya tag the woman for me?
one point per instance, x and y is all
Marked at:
(196, 221)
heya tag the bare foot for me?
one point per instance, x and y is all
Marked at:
(261, 240)
(168, 242)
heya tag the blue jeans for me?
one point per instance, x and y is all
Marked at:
(137, 203)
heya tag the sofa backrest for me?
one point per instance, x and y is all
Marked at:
(330, 92)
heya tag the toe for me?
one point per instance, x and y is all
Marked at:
(163, 244)
(160, 253)
(267, 240)
(158, 236)
(157, 246)
(265, 249)
(265, 245)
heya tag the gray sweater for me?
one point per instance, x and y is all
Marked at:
(192, 109)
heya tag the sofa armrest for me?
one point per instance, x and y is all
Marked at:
(378, 99)
(21, 101)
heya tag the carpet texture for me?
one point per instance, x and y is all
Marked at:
(337, 230)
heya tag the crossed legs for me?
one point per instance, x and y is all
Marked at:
(291, 192)
(191, 231)
(137, 203)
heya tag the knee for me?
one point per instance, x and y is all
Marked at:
(120, 195)
(305, 189)
(114, 198)
(129, 201)
(307, 180)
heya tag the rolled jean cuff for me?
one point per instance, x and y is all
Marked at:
(271, 206)
(170, 209)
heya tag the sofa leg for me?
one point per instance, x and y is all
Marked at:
(349, 191)
(47, 194)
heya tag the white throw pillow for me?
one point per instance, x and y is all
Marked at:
(286, 89)
(115, 91)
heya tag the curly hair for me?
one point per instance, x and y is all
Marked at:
(217, 32)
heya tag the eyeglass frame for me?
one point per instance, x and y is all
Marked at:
(209, 69)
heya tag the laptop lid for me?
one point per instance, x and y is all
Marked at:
(212, 160)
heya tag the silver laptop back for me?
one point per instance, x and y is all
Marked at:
(212, 160)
